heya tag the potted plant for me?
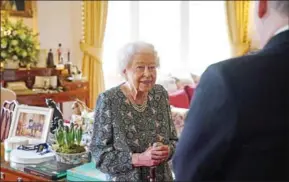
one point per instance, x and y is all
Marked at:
(68, 148)
(18, 42)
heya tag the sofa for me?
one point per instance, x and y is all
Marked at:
(181, 91)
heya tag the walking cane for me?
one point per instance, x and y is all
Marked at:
(152, 176)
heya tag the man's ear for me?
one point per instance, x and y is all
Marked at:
(262, 8)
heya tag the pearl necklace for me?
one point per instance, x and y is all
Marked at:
(137, 107)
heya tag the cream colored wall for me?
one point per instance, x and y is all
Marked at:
(59, 22)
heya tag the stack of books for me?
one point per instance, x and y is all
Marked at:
(85, 172)
(51, 170)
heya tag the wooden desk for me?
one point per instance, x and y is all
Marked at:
(8, 173)
(72, 89)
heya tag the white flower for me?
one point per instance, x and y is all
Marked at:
(15, 57)
(3, 46)
(14, 33)
(24, 53)
(14, 42)
(3, 54)
(22, 36)
(8, 32)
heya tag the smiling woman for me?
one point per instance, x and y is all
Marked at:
(131, 117)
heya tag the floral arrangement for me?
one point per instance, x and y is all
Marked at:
(18, 42)
(68, 139)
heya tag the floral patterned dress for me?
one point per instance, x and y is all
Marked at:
(119, 130)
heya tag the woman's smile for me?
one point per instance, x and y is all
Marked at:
(146, 82)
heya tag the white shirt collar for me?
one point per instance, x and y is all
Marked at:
(282, 29)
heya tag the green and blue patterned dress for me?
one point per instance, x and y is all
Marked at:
(120, 130)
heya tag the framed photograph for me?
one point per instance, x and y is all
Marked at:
(31, 122)
(19, 8)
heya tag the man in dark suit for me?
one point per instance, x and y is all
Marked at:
(237, 128)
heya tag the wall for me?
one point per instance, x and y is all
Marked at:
(59, 22)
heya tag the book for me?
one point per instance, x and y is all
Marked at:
(85, 172)
(52, 170)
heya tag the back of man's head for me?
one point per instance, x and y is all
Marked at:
(282, 7)
(269, 16)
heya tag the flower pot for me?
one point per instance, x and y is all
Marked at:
(72, 158)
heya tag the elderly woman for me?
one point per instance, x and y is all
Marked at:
(131, 117)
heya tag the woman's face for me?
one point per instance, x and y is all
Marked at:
(141, 73)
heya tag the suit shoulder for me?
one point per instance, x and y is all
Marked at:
(238, 66)
(233, 62)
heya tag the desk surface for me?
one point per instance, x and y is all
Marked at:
(11, 174)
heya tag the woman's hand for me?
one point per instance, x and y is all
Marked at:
(161, 153)
(145, 159)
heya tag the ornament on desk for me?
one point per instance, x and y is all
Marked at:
(68, 64)
(50, 61)
(78, 107)
(68, 55)
(57, 114)
(59, 53)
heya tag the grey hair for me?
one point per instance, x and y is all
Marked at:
(129, 50)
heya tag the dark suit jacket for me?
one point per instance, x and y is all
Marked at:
(237, 128)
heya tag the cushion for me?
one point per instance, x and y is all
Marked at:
(182, 79)
(190, 91)
(167, 82)
(178, 116)
(179, 99)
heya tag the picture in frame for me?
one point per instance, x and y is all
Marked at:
(20, 8)
(31, 122)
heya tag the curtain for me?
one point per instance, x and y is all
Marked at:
(238, 14)
(95, 14)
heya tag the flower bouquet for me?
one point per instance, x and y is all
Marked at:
(18, 42)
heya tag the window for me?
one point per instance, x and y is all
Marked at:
(159, 24)
(188, 35)
(116, 35)
(209, 40)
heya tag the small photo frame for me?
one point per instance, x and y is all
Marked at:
(31, 122)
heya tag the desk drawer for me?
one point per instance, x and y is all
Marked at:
(10, 176)
(75, 85)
